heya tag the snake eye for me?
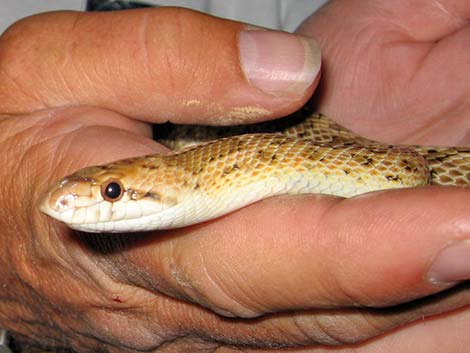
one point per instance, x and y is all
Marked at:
(112, 190)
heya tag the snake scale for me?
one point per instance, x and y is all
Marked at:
(310, 154)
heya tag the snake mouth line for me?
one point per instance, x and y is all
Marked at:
(65, 214)
(76, 208)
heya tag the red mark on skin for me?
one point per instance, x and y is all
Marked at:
(118, 299)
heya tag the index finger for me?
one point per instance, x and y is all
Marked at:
(157, 65)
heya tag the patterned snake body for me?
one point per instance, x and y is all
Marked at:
(206, 181)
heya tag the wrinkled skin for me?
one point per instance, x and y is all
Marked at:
(306, 272)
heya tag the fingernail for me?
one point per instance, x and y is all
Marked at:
(279, 63)
(452, 264)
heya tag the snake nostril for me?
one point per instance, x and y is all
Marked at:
(65, 202)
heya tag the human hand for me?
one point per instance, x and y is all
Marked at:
(179, 290)
(396, 70)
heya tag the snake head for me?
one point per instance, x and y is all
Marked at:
(105, 199)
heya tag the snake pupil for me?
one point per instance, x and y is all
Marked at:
(112, 191)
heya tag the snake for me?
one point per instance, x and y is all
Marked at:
(198, 182)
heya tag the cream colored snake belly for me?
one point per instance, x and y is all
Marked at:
(214, 178)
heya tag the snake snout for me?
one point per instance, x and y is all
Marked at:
(64, 198)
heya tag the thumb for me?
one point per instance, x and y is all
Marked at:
(156, 65)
